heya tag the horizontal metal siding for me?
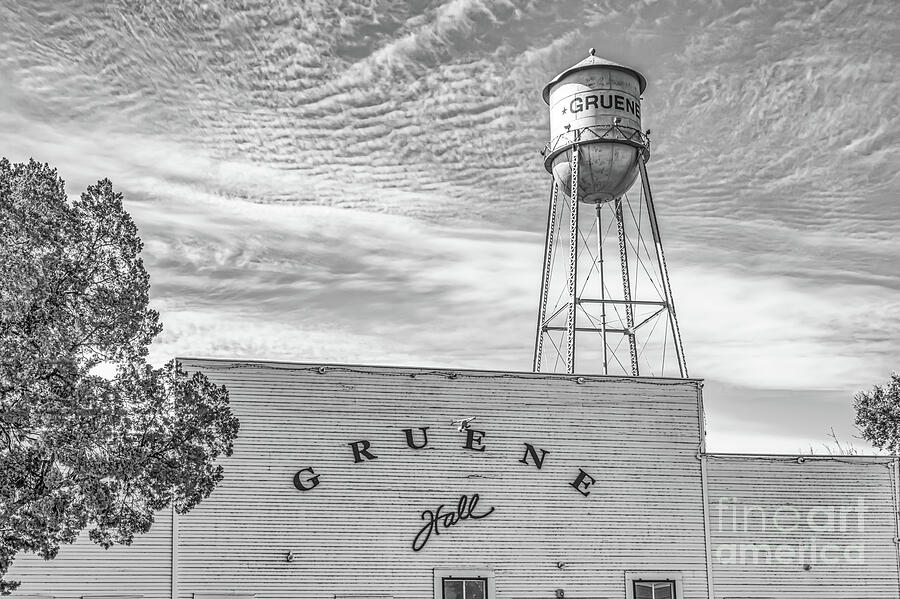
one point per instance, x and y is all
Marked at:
(353, 534)
(775, 483)
(86, 569)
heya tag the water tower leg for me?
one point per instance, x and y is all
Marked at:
(573, 263)
(545, 280)
(663, 272)
(626, 287)
(602, 287)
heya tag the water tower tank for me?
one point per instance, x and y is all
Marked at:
(596, 103)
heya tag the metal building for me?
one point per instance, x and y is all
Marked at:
(359, 482)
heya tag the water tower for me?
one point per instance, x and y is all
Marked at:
(617, 313)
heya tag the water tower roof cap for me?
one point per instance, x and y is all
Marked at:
(587, 63)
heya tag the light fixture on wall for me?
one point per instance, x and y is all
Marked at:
(463, 424)
(289, 557)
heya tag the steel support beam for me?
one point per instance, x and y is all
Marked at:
(573, 263)
(626, 286)
(586, 300)
(602, 288)
(663, 271)
(588, 330)
(545, 280)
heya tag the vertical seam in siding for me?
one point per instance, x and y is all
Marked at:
(701, 417)
(174, 573)
(710, 586)
(704, 491)
(895, 483)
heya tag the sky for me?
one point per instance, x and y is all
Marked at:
(359, 181)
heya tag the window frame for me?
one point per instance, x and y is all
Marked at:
(668, 584)
(486, 574)
(673, 576)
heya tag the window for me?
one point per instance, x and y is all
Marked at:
(654, 589)
(464, 588)
(653, 585)
(464, 583)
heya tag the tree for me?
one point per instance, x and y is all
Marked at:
(79, 450)
(878, 414)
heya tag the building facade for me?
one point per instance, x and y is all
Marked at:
(379, 482)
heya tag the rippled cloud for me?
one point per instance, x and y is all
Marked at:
(360, 181)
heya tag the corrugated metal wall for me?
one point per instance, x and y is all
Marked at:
(353, 533)
(819, 527)
(85, 569)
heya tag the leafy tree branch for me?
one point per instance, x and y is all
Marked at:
(79, 451)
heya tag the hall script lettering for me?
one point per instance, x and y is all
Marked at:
(435, 520)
